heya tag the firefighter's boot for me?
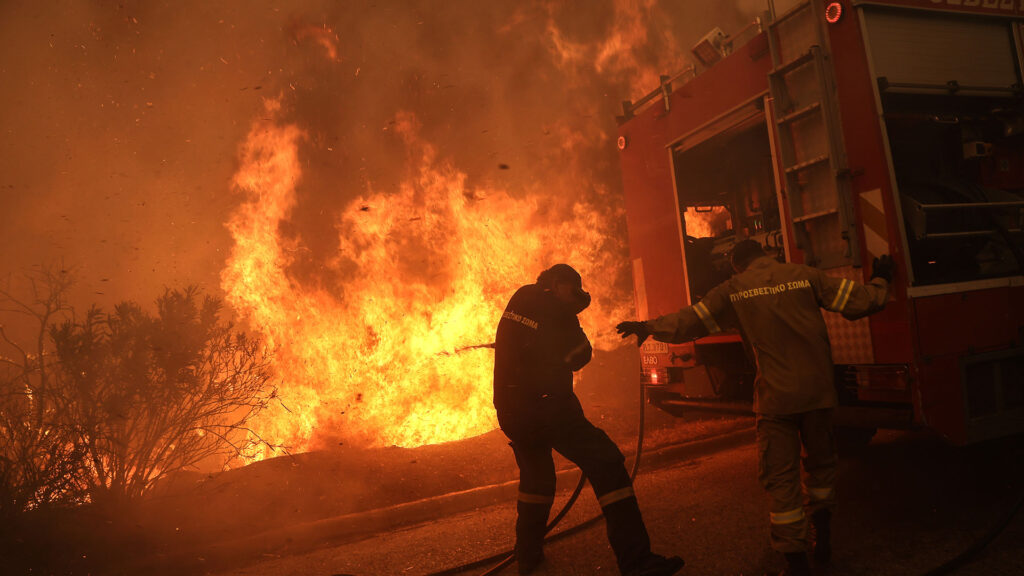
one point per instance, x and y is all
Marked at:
(821, 520)
(531, 524)
(797, 564)
(628, 537)
(657, 565)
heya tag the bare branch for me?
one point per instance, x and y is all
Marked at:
(136, 397)
(13, 344)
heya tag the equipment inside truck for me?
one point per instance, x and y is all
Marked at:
(963, 215)
(726, 191)
(897, 129)
(955, 125)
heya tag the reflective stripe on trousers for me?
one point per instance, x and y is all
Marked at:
(787, 517)
(819, 495)
(600, 459)
(615, 495)
(780, 441)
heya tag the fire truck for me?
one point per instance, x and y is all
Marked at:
(832, 133)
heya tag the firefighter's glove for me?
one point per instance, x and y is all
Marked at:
(881, 267)
(641, 330)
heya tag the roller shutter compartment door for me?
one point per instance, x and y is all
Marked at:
(912, 47)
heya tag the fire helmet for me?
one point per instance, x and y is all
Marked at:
(563, 273)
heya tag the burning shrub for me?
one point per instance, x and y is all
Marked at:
(151, 395)
(104, 407)
(39, 460)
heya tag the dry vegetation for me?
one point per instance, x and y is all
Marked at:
(96, 410)
(103, 418)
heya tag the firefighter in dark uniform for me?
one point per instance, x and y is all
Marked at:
(539, 344)
(776, 306)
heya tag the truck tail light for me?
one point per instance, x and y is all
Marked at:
(833, 12)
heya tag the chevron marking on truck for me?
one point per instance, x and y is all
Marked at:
(872, 211)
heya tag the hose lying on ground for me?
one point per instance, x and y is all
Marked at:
(971, 553)
(507, 557)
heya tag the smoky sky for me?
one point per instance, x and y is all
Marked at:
(122, 121)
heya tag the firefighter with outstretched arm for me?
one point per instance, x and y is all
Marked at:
(539, 344)
(777, 308)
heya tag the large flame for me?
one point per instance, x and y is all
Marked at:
(707, 221)
(387, 356)
(633, 51)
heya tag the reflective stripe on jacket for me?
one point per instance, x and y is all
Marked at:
(777, 308)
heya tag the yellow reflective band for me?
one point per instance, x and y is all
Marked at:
(535, 498)
(615, 495)
(846, 298)
(842, 295)
(788, 517)
(819, 493)
(706, 317)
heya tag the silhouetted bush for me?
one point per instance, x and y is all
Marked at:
(151, 395)
(40, 462)
(101, 408)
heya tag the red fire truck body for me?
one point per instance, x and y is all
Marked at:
(840, 131)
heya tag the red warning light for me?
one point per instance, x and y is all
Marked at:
(833, 12)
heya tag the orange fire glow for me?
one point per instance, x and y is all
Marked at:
(709, 221)
(322, 35)
(381, 358)
(618, 54)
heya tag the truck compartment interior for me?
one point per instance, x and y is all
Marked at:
(953, 107)
(957, 161)
(726, 192)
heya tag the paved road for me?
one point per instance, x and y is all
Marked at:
(907, 503)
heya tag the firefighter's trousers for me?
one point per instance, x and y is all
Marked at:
(780, 441)
(601, 461)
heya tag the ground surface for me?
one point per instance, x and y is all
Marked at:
(907, 503)
(304, 501)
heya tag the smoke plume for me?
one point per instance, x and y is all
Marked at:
(124, 125)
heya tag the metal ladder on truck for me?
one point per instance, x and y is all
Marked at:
(814, 173)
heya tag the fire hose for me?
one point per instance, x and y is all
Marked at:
(506, 557)
(972, 552)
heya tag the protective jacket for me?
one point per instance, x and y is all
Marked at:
(776, 306)
(539, 344)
